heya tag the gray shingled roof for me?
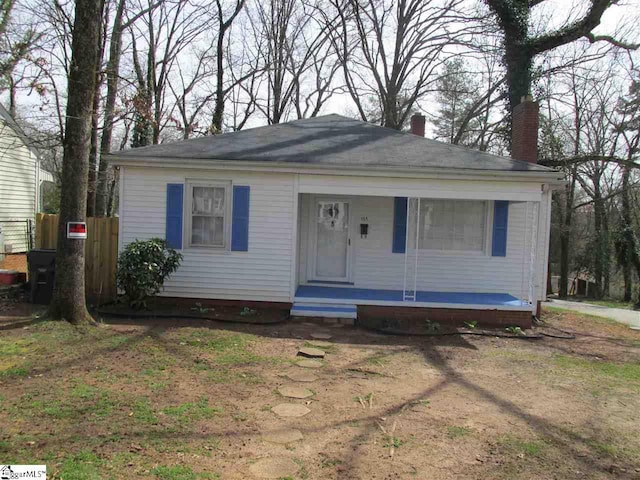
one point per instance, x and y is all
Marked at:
(326, 141)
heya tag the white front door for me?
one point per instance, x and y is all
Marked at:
(331, 240)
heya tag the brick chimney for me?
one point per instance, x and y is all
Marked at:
(417, 124)
(524, 131)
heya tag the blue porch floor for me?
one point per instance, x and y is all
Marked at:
(366, 295)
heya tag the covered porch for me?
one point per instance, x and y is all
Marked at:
(450, 245)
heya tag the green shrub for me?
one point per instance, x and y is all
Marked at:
(143, 267)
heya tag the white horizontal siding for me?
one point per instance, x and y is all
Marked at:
(17, 188)
(263, 273)
(480, 188)
(375, 266)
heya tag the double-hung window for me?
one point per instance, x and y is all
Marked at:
(453, 225)
(208, 214)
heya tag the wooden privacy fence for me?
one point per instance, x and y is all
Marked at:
(101, 252)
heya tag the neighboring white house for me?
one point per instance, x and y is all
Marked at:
(20, 179)
(343, 218)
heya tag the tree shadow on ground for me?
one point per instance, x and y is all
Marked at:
(568, 442)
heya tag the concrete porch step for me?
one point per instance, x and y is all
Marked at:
(301, 309)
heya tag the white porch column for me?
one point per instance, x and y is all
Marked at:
(409, 289)
(528, 292)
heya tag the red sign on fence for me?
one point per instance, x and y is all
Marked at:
(76, 230)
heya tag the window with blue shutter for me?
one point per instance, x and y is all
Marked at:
(240, 220)
(175, 199)
(399, 225)
(500, 227)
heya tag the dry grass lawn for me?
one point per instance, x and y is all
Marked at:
(186, 400)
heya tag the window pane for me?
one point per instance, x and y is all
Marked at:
(202, 230)
(207, 216)
(452, 225)
(208, 201)
(207, 230)
(218, 230)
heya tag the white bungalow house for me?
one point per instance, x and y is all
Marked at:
(21, 176)
(332, 216)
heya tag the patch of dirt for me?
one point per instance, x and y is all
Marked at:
(197, 310)
(595, 338)
(137, 394)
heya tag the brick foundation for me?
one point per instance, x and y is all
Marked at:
(375, 315)
(405, 316)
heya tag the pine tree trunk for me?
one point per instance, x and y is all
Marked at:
(69, 301)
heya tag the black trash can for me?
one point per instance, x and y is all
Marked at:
(42, 270)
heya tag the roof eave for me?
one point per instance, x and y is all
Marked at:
(550, 176)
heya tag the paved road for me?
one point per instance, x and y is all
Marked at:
(628, 317)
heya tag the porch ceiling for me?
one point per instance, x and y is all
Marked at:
(420, 188)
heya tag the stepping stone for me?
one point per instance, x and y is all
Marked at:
(308, 363)
(290, 410)
(321, 335)
(311, 352)
(293, 391)
(283, 436)
(301, 376)
(319, 343)
(274, 468)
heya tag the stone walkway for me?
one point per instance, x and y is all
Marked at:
(276, 467)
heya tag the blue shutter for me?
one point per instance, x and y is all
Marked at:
(240, 225)
(173, 234)
(399, 225)
(500, 221)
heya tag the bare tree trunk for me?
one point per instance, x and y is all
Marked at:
(112, 71)
(112, 192)
(606, 254)
(69, 302)
(93, 153)
(12, 97)
(223, 26)
(599, 264)
(521, 47)
(629, 244)
(93, 158)
(565, 230)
